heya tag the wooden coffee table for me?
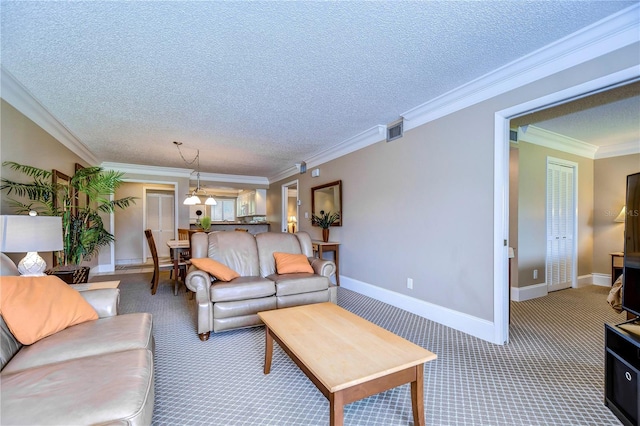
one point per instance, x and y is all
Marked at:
(347, 357)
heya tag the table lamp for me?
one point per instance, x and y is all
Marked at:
(30, 234)
(293, 221)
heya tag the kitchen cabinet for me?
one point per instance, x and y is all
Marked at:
(252, 203)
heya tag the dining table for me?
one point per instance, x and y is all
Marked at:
(177, 247)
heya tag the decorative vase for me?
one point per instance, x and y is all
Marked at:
(325, 234)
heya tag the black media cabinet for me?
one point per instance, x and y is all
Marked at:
(622, 371)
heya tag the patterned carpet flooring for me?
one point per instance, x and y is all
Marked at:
(551, 373)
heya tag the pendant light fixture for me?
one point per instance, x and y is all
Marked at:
(193, 198)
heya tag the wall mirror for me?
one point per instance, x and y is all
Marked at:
(327, 198)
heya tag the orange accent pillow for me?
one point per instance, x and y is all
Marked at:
(37, 307)
(287, 263)
(215, 268)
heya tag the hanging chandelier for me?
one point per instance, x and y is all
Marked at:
(193, 198)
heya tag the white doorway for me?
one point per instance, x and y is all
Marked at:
(501, 183)
(561, 224)
(290, 203)
(160, 219)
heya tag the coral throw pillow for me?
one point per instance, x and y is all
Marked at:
(215, 268)
(37, 307)
(287, 263)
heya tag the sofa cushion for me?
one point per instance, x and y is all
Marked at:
(215, 268)
(242, 288)
(7, 267)
(103, 336)
(271, 242)
(288, 284)
(239, 308)
(9, 346)
(36, 307)
(115, 388)
(237, 250)
(287, 263)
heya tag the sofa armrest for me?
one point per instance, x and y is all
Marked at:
(199, 282)
(326, 268)
(104, 300)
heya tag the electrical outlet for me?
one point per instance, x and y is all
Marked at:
(410, 283)
(535, 274)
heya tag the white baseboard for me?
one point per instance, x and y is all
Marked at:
(584, 280)
(520, 294)
(478, 327)
(603, 280)
(101, 269)
(129, 262)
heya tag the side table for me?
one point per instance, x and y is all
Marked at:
(617, 263)
(320, 247)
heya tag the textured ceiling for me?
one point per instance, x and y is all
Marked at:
(259, 86)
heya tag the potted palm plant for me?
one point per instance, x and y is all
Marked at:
(324, 221)
(79, 202)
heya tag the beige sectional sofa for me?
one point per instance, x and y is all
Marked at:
(227, 305)
(96, 372)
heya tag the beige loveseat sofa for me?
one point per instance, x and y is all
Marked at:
(235, 304)
(96, 372)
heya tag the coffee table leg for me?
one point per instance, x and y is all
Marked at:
(417, 396)
(336, 409)
(268, 350)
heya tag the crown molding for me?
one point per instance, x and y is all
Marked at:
(139, 169)
(548, 139)
(605, 36)
(183, 173)
(12, 91)
(368, 137)
(626, 148)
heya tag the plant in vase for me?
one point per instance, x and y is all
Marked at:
(79, 202)
(324, 221)
(205, 222)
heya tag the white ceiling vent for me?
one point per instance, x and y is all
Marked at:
(394, 130)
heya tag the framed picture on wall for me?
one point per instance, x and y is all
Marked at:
(61, 182)
(79, 201)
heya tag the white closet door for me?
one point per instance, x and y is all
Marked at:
(160, 219)
(561, 221)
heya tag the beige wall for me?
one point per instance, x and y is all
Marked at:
(532, 231)
(422, 206)
(23, 141)
(609, 197)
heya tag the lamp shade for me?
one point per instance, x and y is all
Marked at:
(620, 217)
(22, 233)
(192, 200)
(30, 234)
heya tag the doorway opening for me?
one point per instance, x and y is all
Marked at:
(501, 181)
(290, 204)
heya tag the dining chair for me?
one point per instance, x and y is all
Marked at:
(184, 234)
(164, 266)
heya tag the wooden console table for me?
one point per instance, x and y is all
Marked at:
(320, 247)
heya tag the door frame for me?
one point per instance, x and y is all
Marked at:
(148, 183)
(284, 224)
(574, 246)
(145, 189)
(501, 182)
